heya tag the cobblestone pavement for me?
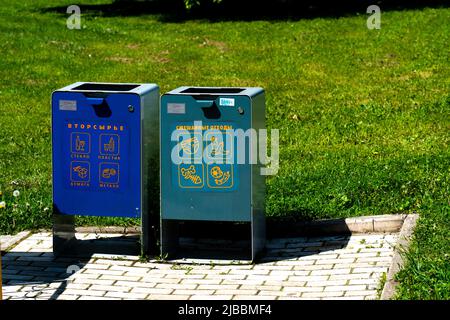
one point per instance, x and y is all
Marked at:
(294, 268)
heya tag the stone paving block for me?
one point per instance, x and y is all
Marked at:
(288, 283)
(211, 297)
(254, 297)
(296, 263)
(361, 293)
(126, 295)
(135, 270)
(302, 289)
(327, 255)
(238, 292)
(134, 284)
(272, 266)
(94, 281)
(147, 278)
(194, 292)
(67, 297)
(229, 276)
(331, 271)
(94, 293)
(208, 281)
(370, 270)
(292, 298)
(351, 276)
(13, 288)
(244, 282)
(272, 293)
(95, 266)
(362, 265)
(103, 272)
(367, 281)
(334, 261)
(324, 294)
(326, 283)
(72, 285)
(97, 298)
(307, 278)
(119, 278)
(298, 271)
(271, 276)
(219, 287)
(36, 288)
(346, 288)
(185, 276)
(386, 260)
(178, 286)
(105, 288)
(167, 297)
(261, 287)
(279, 274)
(126, 263)
(317, 267)
(83, 275)
(251, 271)
(157, 291)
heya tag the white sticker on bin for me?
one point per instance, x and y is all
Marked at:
(226, 102)
(68, 105)
(177, 108)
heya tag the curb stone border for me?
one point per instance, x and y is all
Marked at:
(398, 260)
(12, 241)
(357, 225)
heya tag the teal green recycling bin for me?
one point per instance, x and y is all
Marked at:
(208, 167)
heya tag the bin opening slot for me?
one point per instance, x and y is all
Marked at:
(106, 87)
(212, 90)
(97, 100)
(211, 111)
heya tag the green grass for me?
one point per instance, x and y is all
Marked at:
(363, 114)
(427, 273)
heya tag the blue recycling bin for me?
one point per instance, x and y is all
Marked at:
(105, 148)
(202, 178)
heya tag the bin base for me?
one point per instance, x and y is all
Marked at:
(222, 242)
(65, 242)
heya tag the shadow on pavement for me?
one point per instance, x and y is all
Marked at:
(39, 269)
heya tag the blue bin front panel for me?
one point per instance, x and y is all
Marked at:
(96, 155)
(204, 188)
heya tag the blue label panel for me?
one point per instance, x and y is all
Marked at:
(95, 156)
(208, 160)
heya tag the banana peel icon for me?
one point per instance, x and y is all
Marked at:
(190, 174)
(190, 146)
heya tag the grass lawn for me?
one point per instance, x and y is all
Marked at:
(363, 114)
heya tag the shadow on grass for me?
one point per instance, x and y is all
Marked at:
(234, 10)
